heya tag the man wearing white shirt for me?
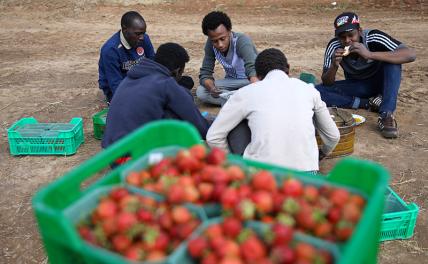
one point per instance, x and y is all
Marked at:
(282, 114)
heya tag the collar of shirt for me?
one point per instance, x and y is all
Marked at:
(124, 42)
(276, 73)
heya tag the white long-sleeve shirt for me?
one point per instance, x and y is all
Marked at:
(280, 112)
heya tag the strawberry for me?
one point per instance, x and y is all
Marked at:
(155, 256)
(87, 234)
(186, 229)
(106, 209)
(220, 176)
(198, 151)
(181, 214)
(305, 219)
(134, 252)
(191, 194)
(118, 193)
(134, 179)
(159, 168)
(282, 234)
(245, 210)
(244, 191)
(229, 198)
(219, 189)
(334, 214)
(285, 219)
(323, 229)
(235, 173)
(176, 194)
(216, 156)
(252, 249)
(292, 187)
(120, 242)
(263, 201)
(339, 197)
(197, 246)
(231, 260)
(351, 212)
(264, 180)
(305, 252)
(282, 254)
(229, 249)
(231, 227)
(357, 200)
(310, 193)
(213, 231)
(125, 221)
(165, 220)
(109, 226)
(210, 258)
(186, 162)
(206, 190)
(291, 206)
(343, 230)
(145, 215)
(130, 203)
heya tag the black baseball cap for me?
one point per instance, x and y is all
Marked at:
(346, 22)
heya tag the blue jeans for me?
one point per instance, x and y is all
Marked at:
(347, 93)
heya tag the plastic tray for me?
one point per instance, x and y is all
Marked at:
(29, 137)
(99, 122)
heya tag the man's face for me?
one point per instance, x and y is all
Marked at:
(349, 37)
(135, 33)
(220, 38)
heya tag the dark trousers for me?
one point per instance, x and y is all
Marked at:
(239, 138)
(347, 93)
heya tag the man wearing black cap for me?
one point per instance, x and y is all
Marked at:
(371, 61)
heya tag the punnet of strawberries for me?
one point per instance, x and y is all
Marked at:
(228, 242)
(199, 176)
(137, 227)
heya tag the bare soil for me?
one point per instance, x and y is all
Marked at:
(49, 60)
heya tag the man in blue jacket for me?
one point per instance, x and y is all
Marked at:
(123, 50)
(150, 92)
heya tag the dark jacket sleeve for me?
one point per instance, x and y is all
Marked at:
(181, 104)
(148, 47)
(111, 65)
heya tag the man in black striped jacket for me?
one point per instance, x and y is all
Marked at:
(371, 61)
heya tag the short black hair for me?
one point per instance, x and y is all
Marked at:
(172, 56)
(270, 59)
(129, 17)
(215, 19)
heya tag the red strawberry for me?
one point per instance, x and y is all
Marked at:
(134, 252)
(334, 214)
(145, 215)
(186, 162)
(292, 187)
(229, 198)
(186, 229)
(198, 151)
(106, 209)
(282, 254)
(155, 256)
(244, 191)
(323, 229)
(176, 194)
(191, 194)
(310, 193)
(130, 203)
(264, 180)
(216, 156)
(125, 221)
(208, 173)
(206, 191)
(245, 210)
(87, 234)
(263, 201)
(159, 168)
(120, 242)
(219, 189)
(235, 173)
(210, 258)
(213, 231)
(118, 193)
(305, 251)
(165, 220)
(282, 234)
(357, 200)
(134, 179)
(220, 176)
(344, 230)
(231, 227)
(231, 260)
(181, 214)
(197, 246)
(305, 219)
(229, 249)
(252, 249)
(109, 226)
(339, 197)
(159, 241)
(351, 212)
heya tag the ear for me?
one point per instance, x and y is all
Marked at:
(287, 69)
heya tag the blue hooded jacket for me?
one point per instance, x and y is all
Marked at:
(149, 93)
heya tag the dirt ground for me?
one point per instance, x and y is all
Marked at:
(48, 69)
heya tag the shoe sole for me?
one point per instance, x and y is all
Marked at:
(391, 134)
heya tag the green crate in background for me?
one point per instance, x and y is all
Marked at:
(99, 122)
(398, 219)
(50, 202)
(29, 137)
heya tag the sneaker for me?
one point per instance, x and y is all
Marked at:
(374, 103)
(388, 126)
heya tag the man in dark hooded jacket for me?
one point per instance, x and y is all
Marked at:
(150, 92)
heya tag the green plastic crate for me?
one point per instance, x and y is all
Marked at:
(99, 122)
(29, 137)
(50, 202)
(308, 77)
(398, 219)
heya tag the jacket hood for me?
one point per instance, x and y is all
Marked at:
(147, 67)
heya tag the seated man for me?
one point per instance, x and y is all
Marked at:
(234, 51)
(123, 50)
(281, 112)
(150, 92)
(371, 61)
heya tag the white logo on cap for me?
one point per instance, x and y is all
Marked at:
(341, 21)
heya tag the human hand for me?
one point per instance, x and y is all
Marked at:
(215, 92)
(361, 50)
(338, 56)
